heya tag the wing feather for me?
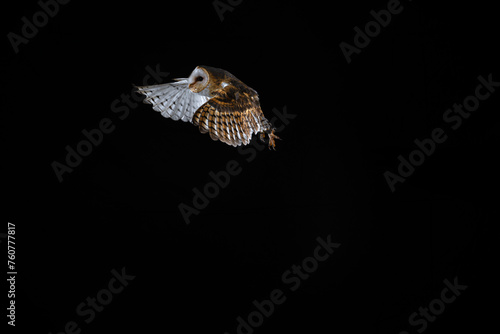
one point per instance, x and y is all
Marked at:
(231, 116)
(173, 100)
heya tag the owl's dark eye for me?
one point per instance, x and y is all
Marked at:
(199, 78)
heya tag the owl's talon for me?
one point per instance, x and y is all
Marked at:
(272, 138)
(262, 137)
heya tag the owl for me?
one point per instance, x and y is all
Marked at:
(216, 102)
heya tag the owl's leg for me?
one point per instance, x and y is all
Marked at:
(272, 137)
(269, 129)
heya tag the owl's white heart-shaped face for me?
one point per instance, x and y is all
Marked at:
(198, 79)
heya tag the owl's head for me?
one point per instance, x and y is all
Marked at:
(199, 79)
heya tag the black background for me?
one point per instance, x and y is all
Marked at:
(119, 207)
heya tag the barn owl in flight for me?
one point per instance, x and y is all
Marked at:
(216, 102)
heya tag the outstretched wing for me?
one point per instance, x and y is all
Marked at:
(231, 116)
(174, 100)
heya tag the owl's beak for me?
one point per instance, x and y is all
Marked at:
(191, 82)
